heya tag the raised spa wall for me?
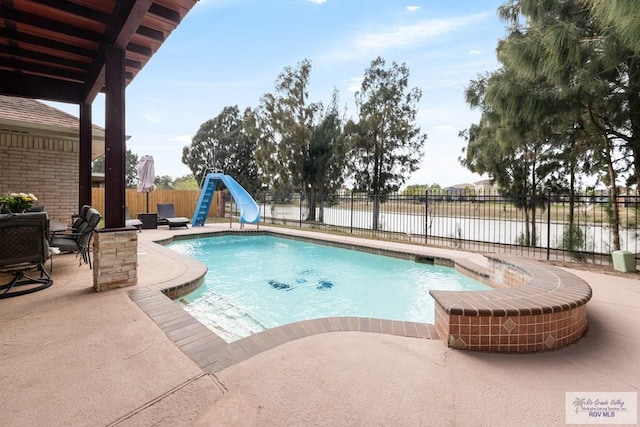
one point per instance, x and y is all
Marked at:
(534, 307)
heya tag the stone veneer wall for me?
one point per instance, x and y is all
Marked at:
(46, 167)
(115, 258)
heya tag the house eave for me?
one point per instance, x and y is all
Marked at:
(52, 131)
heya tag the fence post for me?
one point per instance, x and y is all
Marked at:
(375, 223)
(426, 215)
(351, 225)
(548, 224)
(300, 220)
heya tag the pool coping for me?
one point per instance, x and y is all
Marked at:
(212, 353)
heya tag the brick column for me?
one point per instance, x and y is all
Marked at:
(115, 258)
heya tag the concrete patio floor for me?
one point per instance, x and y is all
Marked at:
(73, 357)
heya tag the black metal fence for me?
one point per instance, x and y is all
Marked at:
(478, 222)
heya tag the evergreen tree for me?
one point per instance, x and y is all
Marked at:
(385, 143)
(301, 144)
(225, 143)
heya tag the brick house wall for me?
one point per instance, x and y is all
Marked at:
(44, 166)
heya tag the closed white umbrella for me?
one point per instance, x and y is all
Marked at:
(146, 176)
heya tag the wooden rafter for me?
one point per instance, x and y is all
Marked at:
(55, 49)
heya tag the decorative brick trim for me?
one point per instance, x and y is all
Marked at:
(213, 354)
(537, 307)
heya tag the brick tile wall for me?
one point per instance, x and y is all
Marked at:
(46, 167)
(534, 307)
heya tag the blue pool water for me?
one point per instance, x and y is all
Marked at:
(259, 282)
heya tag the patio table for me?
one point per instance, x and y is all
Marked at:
(56, 227)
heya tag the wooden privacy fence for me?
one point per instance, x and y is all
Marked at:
(184, 201)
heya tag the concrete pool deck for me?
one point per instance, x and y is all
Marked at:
(70, 356)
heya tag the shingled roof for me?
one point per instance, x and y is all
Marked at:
(37, 114)
(26, 115)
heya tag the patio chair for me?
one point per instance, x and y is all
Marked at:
(23, 248)
(79, 242)
(167, 216)
(77, 219)
(131, 222)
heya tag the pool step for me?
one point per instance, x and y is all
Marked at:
(231, 322)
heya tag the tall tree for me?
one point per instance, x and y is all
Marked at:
(289, 152)
(514, 142)
(622, 16)
(225, 143)
(247, 172)
(324, 167)
(386, 144)
(584, 84)
(596, 74)
(131, 172)
(164, 182)
(287, 119)
(98, 165)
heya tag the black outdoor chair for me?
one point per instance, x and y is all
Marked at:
(79, 241)
(23, 248)
(77, 219)
(167, 216)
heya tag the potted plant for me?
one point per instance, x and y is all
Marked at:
(17, 202)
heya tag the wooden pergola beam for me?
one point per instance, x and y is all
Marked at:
(114, 138)
(19, 84)
(124, 24)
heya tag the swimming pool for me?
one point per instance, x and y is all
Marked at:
(260, 281)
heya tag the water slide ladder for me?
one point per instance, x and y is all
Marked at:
(204, 202)
(249, 211)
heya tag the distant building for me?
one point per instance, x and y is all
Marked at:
(486, 187)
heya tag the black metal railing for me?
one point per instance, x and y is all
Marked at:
(553, 227)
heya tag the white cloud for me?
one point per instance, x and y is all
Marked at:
(150, 118)
(401, 37)
(317, 1)
(413, 8)
(474, 52)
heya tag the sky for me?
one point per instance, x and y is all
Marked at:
(230, 52)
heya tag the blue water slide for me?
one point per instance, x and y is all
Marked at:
(249, 210)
